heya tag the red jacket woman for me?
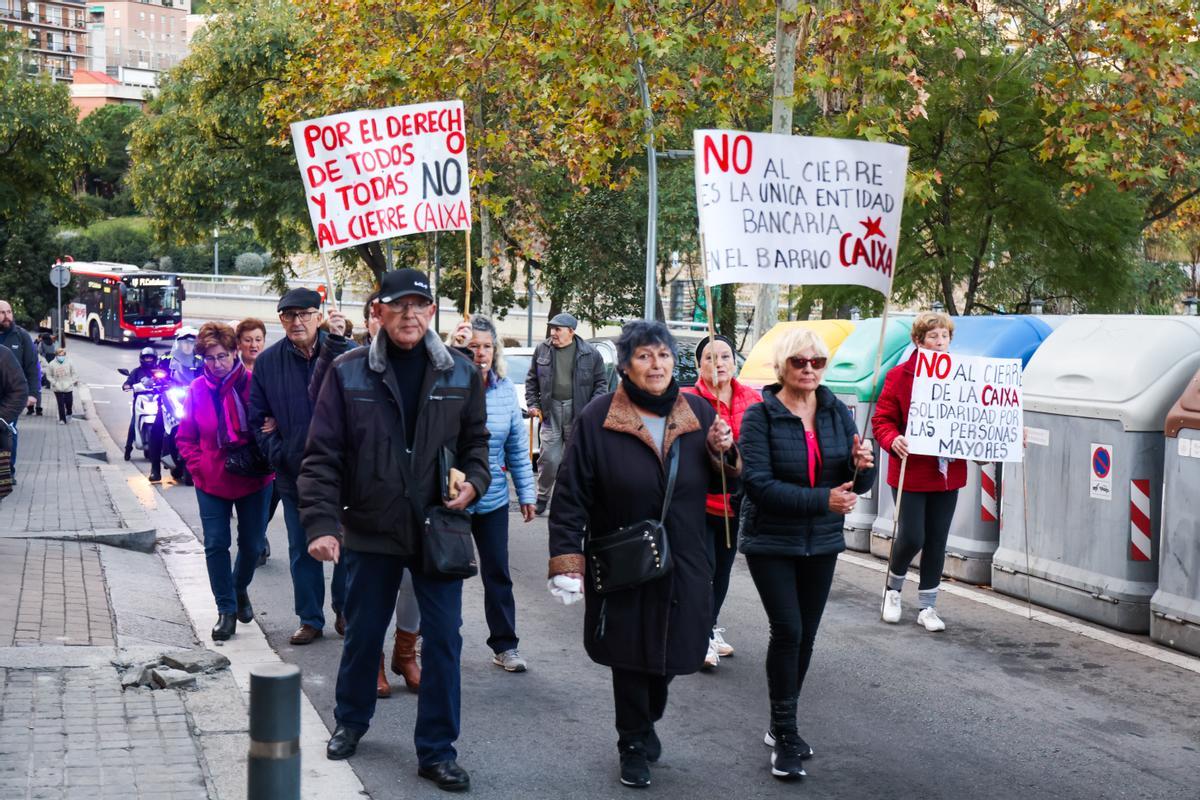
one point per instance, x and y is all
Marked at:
(931, 484)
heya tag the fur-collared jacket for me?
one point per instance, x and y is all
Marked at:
(359, 471)
(613, 475)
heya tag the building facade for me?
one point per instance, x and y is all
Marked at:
(135, 41)
(55, 34)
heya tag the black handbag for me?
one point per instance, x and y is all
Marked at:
(248, 461)
(638, 553)
(448, 550)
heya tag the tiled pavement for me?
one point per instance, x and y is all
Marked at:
(53, 592)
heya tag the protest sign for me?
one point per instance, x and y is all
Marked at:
(966, 407)
(380, 173)
(798, 209)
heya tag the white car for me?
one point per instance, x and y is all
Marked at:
(517, 361)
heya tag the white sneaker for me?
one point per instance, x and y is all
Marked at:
(724, 648)
(930, 619)
(891, 606)
(712, 658)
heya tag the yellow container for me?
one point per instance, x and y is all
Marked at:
(759, 369)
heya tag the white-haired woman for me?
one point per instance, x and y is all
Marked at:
(508, 452)
(804, 466)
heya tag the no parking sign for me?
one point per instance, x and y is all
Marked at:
(1101, 475)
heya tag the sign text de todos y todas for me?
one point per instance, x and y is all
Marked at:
(380, 173)
(966, 407)
(799, 209)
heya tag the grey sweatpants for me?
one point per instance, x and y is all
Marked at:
(557, 420)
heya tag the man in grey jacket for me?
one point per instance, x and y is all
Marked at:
(565, 374)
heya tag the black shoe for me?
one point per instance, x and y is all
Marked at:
(540, 508)
(343, 743)
(39, 412)
(156, 477)
(787, 759)
(29, 412)
(128, 454)
(653, 747)
(448, 775)
(635, 769)
(265, 554)
(245, 611)
(226, 625)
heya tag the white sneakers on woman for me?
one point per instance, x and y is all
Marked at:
(891, 606)
(724, 648)
(930, 619)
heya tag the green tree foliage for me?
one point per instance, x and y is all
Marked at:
(203, 154)
(41, 154)
(110, 128)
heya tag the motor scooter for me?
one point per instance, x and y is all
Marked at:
(145, 408)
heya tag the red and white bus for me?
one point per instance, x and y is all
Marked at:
(112, 302)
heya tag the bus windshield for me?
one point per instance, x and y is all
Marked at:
(151, 301)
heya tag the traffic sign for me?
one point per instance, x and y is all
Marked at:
(60, 276)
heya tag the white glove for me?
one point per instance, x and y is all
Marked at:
(568, 590)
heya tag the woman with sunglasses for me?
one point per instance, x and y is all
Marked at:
(804, 466)
(931, 484)
(215, 425)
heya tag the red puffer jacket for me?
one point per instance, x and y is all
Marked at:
(891, 420)
(743, 397)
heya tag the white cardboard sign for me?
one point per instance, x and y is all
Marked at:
(387, 172)
(966, 407)
(799, 209)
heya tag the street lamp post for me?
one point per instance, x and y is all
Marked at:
(216, 251)
(652, 179)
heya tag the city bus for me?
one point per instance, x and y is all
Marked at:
(110, 302)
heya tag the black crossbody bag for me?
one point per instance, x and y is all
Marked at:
(638, 553)
(447, 547)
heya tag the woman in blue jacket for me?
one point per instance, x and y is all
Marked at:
(508, 452)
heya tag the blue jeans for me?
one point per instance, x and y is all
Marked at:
(308, 574)
(215, 513)
(490, 531)
(372, 581)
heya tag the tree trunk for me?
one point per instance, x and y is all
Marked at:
(787, 28)
(485, 216)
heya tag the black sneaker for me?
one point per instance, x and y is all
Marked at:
(806, 751)
(653, 747)
(787, 763)
(635, 769)
(540, 508)
(156, 477)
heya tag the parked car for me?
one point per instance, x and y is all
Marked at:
(686, 372)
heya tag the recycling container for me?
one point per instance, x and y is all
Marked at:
(1175, 606)
(1081, 516)
(975, 530)
(852, 378)
(759, 369)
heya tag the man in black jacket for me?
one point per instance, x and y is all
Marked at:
(280, 412)
(15, 338)
(13, 395)
(565, 373)
(391, 419)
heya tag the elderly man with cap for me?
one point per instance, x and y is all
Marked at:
(400, 430)
(565, 374)
(280, 411)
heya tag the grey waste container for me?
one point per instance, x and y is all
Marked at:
(1175, 606)
(1096, 394)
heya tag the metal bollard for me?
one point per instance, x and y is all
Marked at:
(273, 771)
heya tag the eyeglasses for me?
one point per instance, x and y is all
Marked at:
(303, 316)
(218, 357)
(405, 307)
(799, 362)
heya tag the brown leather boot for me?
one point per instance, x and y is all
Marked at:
(382, 687)
(404, 660)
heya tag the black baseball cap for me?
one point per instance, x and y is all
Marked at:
(401, 282)
(299, 298)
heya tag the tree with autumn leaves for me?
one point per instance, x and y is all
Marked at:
(1044, 137)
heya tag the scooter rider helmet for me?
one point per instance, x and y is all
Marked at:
(148, 357)
(186, 332)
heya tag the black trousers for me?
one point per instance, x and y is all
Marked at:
(793, 592)
(924, 527)
(723, 558)
(639, 700)
(65, 402)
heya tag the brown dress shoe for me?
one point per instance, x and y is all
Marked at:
(305, 634)
(382, 687)
(339, 623)
(404, 660)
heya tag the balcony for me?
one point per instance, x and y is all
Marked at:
(42, 21)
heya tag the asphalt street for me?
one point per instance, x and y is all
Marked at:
(997, 706)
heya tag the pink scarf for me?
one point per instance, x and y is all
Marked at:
(227, 392)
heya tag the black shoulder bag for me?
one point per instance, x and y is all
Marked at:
(638, 553)
(447, 548)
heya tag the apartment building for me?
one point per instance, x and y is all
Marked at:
(135, 41)
(55, 33)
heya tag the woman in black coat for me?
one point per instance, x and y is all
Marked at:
(804, 465)
(614, 474)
